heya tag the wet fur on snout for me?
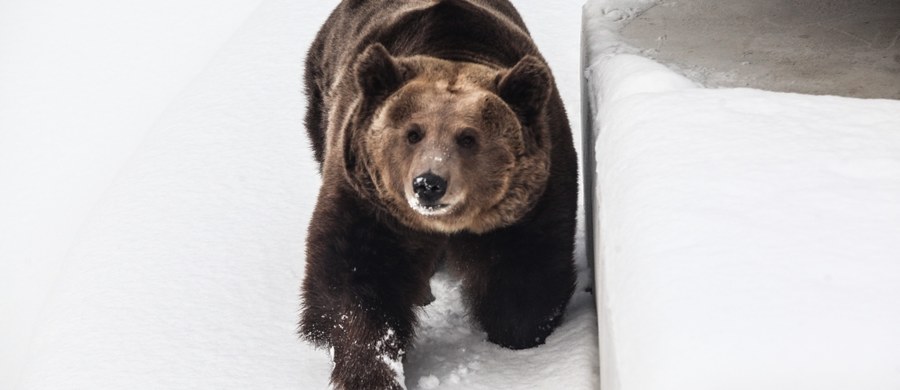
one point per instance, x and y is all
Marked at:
(379, 69)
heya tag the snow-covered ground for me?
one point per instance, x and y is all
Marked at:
(747, 239)
(157, 184)
(82, 82)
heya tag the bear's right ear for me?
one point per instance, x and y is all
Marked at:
(378, 73)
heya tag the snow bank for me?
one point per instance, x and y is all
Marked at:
(746, 239)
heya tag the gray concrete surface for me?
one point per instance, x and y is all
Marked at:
(823, 47)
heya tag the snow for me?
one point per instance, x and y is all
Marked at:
(747, 239)
(82, 82)
(162, 185)
(429, 382)
(602, 20)
(453, 353)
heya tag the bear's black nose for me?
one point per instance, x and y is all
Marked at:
(429, 187)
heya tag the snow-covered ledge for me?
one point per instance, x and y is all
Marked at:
(743, 238)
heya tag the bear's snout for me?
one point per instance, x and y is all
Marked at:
(429, 188)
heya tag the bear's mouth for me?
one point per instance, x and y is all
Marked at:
(429, 209)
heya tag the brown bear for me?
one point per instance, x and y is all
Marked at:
(441, 137)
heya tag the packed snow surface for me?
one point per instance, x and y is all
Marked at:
(746, 239)
(81, 83)
(180, 266)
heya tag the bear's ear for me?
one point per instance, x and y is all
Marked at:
(525, 88)
(378, 73)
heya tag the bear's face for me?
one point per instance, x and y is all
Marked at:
(447, 151)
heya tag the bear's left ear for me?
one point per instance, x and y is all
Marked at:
(378, 73)
(525, 88)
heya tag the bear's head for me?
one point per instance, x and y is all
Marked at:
(449, 146)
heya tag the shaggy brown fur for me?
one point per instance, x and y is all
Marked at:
(403, 90)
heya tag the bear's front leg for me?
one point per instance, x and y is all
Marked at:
(363, 278)
(517, 280)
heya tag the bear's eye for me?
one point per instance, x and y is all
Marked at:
(466, 141)
(414, 135)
